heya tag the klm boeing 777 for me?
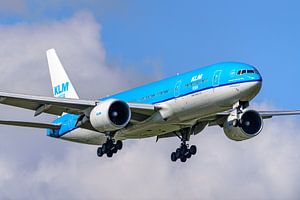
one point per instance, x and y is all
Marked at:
(179, 106)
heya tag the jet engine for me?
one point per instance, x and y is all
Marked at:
(110, 115)
(248, 125)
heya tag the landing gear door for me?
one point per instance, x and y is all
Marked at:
(216, 78)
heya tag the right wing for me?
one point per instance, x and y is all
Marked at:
(30, 124)
(50, 105)
(58, 106)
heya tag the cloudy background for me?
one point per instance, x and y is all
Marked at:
(108, 46)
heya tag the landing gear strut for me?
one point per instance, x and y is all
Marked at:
(184, 152)
(110, 147)
(239, 107)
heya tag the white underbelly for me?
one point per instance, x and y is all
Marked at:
(85, 136)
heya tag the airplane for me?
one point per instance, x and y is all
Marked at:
(180, 106)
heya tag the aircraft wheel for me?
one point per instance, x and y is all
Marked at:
(193, 150)
(100, 152)
(119, 145)
(109, 143)
(188, 155)
(183, 159)
(115, 150)
(173, 157)
(178, 153)
(104, 148)
(109, 154)
(183, 149)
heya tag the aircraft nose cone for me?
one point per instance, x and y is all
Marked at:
(257, 86)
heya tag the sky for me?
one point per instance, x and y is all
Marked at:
(110, 46)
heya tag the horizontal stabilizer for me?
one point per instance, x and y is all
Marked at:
(30, 124)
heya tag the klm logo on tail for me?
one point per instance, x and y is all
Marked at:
(61, 89)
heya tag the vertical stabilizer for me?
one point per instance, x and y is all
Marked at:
(61, 84)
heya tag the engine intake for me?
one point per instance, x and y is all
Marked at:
(249, 125)
(251, 122)
(110, 115)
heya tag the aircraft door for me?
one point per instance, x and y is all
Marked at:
(216, 78)
(177, 88)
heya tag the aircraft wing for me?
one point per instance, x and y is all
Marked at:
(57, 106)
(270, 114)
(30, 124)
(220, 118)
(50, 105)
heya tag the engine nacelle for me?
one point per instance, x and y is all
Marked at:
(110, 115)
(247, 126)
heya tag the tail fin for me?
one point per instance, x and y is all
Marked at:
(61, 84)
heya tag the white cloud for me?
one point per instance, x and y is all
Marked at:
(23, 49)
(266, 167)
(37, 167)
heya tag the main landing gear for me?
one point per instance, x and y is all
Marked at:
(184, 152)
(109, 148)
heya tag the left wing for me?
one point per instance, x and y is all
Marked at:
(220, 118)
(270, 114)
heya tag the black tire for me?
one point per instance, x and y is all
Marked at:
(119, 145)
(109, 154)
(115, 150)
(183, 150)
(183, 159)
(188, 155)
(109, 143)
(173, 157)
(193, 150)
(178, 153)
(100, 152)
(104, 148)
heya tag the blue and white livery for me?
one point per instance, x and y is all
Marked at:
(179, 106)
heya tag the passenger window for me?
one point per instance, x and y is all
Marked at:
(250, 71)
(244, 71)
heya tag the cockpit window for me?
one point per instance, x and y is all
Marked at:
(249, 71)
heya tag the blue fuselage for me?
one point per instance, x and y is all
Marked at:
(213, 76)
